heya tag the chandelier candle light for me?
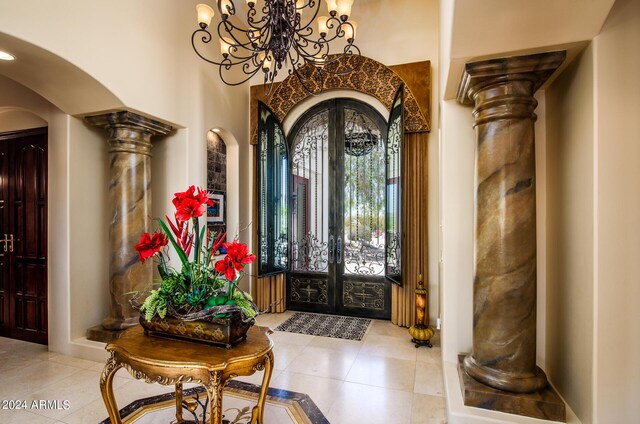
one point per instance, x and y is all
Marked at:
(276, 34)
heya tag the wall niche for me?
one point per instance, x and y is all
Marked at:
(217, 181)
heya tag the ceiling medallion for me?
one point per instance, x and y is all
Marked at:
(277, 34)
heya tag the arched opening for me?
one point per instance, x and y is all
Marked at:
(231, 174)
(17, 119)
(77, 178)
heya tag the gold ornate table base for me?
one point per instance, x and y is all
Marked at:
(174, 362)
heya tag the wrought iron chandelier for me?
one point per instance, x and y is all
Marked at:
(277, 34)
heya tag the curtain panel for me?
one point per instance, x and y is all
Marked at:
(414, 214)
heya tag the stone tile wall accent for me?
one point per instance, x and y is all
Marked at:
(216, 165)
(217, 172)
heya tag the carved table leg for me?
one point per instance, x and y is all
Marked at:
(258, 410)
(214, 393)
(179, 403)
(106, 388)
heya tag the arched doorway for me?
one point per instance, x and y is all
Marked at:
(329, 207)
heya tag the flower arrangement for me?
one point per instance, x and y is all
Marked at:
(201, 289)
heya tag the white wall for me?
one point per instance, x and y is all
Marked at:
(89, 226)
(617, 207)
(457, 197)
(594, 234)
(492, 28)
(569, 234)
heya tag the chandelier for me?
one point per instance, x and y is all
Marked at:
(274, 35)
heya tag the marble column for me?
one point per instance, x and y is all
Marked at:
(504, 290)
(129, 137)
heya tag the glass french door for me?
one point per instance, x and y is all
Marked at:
(338, 203)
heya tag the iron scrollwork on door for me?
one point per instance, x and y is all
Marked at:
(364, 208)
(309, 254)
(309, 290)
(369, 295)
(310, 220)
(393, 160)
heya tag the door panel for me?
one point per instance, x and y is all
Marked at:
(5, 290)
(395, 230)
(273, 181)
(312, 268)
(361, 245)
(24, 182)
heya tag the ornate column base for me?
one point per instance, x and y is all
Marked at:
(510, 382)
(545, 404)
(98, 333)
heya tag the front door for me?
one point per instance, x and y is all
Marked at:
(23, 229)
(337, 210)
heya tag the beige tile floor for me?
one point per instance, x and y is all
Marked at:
(381, 379)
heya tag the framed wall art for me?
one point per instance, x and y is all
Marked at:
(215, 213)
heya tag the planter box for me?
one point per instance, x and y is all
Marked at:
(220, 332)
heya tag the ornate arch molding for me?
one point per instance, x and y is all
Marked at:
(371, 77)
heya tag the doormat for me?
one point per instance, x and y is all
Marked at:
(239, 398)
(335, 326)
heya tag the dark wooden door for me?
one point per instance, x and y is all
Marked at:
(23, 231)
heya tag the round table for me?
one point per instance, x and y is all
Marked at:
(174, 362)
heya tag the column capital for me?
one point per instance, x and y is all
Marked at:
(129, 120)
(536, 68)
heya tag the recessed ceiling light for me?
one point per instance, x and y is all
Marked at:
(6, 56)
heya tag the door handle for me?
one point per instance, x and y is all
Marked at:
(8, 243)
(330, 247)
(339, 250)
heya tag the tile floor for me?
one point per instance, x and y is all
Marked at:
(381, 379)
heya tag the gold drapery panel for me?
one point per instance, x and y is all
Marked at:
(270, 293)
(414, 214)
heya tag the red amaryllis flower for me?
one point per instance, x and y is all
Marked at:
(150, 245)
(239, 253)
(191, 203)
(189, 208)
(228, 267)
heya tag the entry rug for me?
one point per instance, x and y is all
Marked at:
(335, 326)
(238, 400)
